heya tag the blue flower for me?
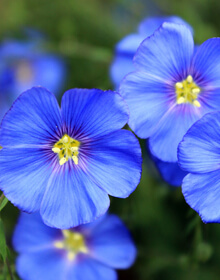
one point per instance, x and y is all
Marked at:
(198, 154)
(127, 47)
(24, 64)
(172, 87)
(64, 162)
(89, 252)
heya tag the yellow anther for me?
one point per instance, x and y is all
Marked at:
(62, 161)
(187, 91)
(189, 79)
(196, 90)
(73, 243)
(196, 103)
(65, 139)
(74, 149)
(1, 147)
(75, 159)
(67, 148)
(179, 85)
(71, 256)
(56, 150)
(59, 244)
(180, 100)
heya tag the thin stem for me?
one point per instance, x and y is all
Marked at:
(2, 198)
(9, 269)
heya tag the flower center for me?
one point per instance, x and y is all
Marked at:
(73, 243)
(67, 148)
(187, 92)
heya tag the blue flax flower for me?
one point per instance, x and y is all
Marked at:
(65, 161)
(24, 64)
(198, 154)
(172, 87)
(89, 252)
(127, 47)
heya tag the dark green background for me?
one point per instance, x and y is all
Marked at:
(172, 241)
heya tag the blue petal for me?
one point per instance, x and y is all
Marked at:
(93, 112)
(89, 269)
(148, 100)
(199, 151)
(43, 265)
(114, 163)
(167, 53)
(71, 198)
(129, 44)
(202, 193)
(111, 243)
(32, 235)
(170, 172)
(171, 129)
(206, 64)
(149, 25)
(34, 119)
(121, 65)
(25, 135)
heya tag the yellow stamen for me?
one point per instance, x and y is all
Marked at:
(189, 79)
(67, 148)
(196, 103)
(59, 244)
(73, 243)
(187, 91)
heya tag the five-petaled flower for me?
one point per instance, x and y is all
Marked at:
(65, 161)
(173, 86)
(88, 252)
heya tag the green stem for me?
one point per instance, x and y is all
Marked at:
(3, 201)
(9, 269)
(2, 198)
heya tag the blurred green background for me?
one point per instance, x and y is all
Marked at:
(172, 241)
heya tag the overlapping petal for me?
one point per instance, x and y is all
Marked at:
(25, 135)
(206, 64)
(202, 193)
(149, 25)
(170, 172)
(71, 198)
(93, 113)
(23, 176)
(130, 43)
(114, 163)
(32, 235)
(111, 243)
(170, 131)
(91, 269)
(45, 264)
(199, 151)
(167, 53)
(121, 66)
(34, 119)
(148, 100)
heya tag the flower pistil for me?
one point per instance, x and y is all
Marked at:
(67, 148)
(187, 91)
(73, 243)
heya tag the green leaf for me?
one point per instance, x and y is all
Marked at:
(3, 246)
